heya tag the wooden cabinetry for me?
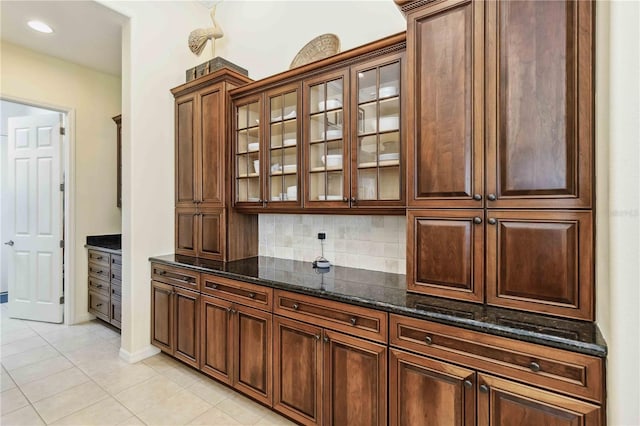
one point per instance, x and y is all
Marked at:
(328, 140)
(322, 376)
(204, 226)
(118, 120)
(105, 286)
(175, 314)
(520, 75)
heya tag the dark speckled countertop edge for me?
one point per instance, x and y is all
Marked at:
(598, 349)
(101, 248)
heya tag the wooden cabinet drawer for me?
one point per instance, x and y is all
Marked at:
(116, 291)
(100, 257)
(175, 276)
(116, 273)
(99, 286)
(237, 291)
(99, 270)
(363, 322)
(116, 259)
(99, 305)
(551, 368)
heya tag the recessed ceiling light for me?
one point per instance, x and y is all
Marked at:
(40, 26)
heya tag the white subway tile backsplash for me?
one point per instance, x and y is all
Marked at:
(365, 242)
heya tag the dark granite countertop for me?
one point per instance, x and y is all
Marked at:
(109, 243)
(388, 292)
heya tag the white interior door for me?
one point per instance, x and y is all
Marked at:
(35, 218)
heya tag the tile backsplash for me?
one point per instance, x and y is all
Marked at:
(366, 242)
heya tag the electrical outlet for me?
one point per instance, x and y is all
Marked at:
(322, 236)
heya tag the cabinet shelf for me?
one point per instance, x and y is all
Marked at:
(373, 164)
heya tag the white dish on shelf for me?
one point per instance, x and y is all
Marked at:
(292, 114)
(389, 123)
(256, 166)
(253, 146)
(387, 91)
(289, 168)
(329, 197)
(276, 168)
(292, 192)
(332, 160)
(331, 134)
(389, 157)
(253, 199)
(290, 142)
(329, 104)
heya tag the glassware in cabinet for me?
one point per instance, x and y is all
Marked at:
(247, 151)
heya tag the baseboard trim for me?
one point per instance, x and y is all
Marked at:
(134, 357)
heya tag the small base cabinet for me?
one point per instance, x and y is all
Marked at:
(105, 286)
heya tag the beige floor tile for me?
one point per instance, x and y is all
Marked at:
(214, 417)
(242, 410)
(40, 369)
(132, 421)
(105, 412)
(180, 374)
(61, 405)
(6, 382)
(54, 384)
(274, 419)
(92, 368)
(11, 324)
(119, 379)
(141, 396)
(211, 391)
(179, 409)
(12, 362)
(11, 400)
(93, 353)
(26, 416)
(23, 345)
(9, 336)
(72, 343)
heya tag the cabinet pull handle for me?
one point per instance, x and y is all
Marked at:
(534, 366)
(428, 340)
(99, 286)
(491, 197)
(161, 272)
(295, 306)
(99, 257)
(317, 336)
(233, 311)
(477, 197)
(98, 305)
(354, 320)
(252, 295)
(211, 285)
(484, 388)
(477, 220)
(468, 383)
(345, 199)
(326, 339)
(354, 200)
(229, 310)
(492, 221)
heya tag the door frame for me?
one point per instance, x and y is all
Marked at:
(68, 209)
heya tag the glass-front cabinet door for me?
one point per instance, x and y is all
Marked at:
(326, 141)
(247, 151)
(376, 120)
(283, 153)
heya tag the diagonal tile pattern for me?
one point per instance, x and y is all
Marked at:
(72, 375)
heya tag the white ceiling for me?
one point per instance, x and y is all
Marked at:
(85, 32)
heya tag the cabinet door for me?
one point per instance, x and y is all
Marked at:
(248, 165)
(445, 253)
(252, 354)
(504, 403)
(445, 125)
(297, 356)
(377, 151)
(355, 387)
(327, 140)
(283, 136)
(211, 233)
(115, 317)
(186, 150)
(541, 261)
(211, 150)
(216, 337)
(162, 310)
(427, 392)
(540, 103)
(187, 326)
(186, 229)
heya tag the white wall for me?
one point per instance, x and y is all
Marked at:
(618, 132)
(95, 98)
(9, 109)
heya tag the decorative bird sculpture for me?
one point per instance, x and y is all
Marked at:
(198, 38)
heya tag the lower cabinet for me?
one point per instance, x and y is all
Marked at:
(236, 346)
(175, 321)
(326, 377)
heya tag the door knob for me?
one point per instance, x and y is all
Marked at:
(9, 243)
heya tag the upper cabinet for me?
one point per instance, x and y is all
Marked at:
(324, 138)
(503, 107)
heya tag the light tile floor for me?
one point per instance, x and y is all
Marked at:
(72, 375)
